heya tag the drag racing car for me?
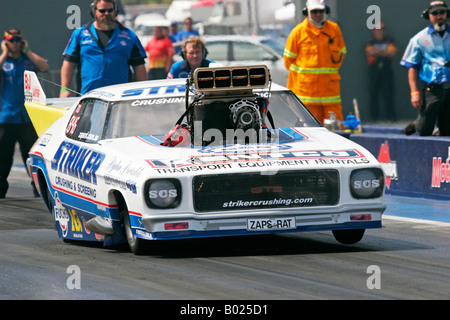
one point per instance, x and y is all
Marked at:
(225, 152)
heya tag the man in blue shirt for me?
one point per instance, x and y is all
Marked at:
(194, 56)
(428, 59)
(105, 49)
(188, 30)
(173, 32)
(15, 125)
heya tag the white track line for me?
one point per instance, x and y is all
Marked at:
(435, 223)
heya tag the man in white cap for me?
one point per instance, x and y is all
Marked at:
(427, 58)
(313, 55)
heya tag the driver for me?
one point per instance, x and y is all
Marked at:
(194, 56)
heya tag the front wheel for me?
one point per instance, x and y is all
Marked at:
(348, 236)
(137, 245)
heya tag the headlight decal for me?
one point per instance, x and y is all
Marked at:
(162, 193)
(367, 183)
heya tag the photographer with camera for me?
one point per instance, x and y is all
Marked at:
(427, 58)
(15, 124)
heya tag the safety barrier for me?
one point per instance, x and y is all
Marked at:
(415, 166)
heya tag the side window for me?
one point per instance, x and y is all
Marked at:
(217, 51)
(248, 51)
(88, 121)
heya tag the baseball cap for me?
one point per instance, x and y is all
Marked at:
(12, 33)
(437, 5)
(316, 5)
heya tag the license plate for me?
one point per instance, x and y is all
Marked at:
(271, 224)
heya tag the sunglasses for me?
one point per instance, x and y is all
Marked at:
(15, 39)
(103, 11)
(435, 13)
(317, 11)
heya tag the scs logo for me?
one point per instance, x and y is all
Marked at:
(360, 184)
(154, 194)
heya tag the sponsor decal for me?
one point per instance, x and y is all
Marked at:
(266, 189)
(8, 66)
(389, 166)
(75, 187)
(61, 216)
(122, 174)
(149, 102)
(269, 202)
(125, 35)
(44, 139)
(244, 149)
(84, 225)
(117, 167)
(366, 184)
(76, 224)
(163, 193)
(101, 94)
(118, 183)
(32, 92)
(72, 224)
(441, 171)
(267, 159)
(144, 234)
(78, 162)
(148, 91)
(73, 123)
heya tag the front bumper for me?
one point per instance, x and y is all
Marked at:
(218, 224)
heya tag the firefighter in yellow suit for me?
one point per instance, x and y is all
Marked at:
(313, 55)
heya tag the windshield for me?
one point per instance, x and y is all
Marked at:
(287, 111)
(157, 116)
(144, 117)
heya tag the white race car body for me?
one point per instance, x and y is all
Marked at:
(103, 185)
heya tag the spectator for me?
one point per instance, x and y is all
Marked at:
(194, 54)
(188, 30)
(313, 55)
(105, 49)
(380, 51)
(15, 124)
(165, 32)
(427, 58)
(160, 53)
(173, 32)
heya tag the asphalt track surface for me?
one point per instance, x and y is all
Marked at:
(407, 259)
